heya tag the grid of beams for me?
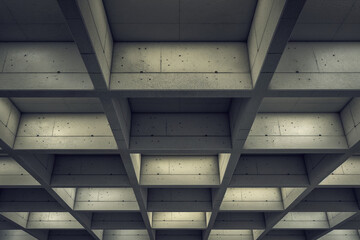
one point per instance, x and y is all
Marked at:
(111, 140)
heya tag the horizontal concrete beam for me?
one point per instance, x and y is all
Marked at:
(30, 68)
(270, 171)
(9, 121)
(105, 199)
(28, 200)
(116, 221)
(15, 235)
(64, 132)
(13, 175)
(317, 69)
(89, 171)
(277, 132)
(179, 171)
(329, 200)
(179, 220)
(252, 199)
(351, 119)
(126, 234)
(172, 132)
(179, 200)
(346, 175)
(233, 220)
(62, 72)
(20, 220)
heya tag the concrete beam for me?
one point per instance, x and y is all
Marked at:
(317, 69)
(9, 121)
(269, 33)
(233, 220)
(270, 171)
(15, 235)
(179, 200)
(252, 199)
(52, 220)
(329, 200)
(171, 132)
(89, 171)
(126, 234)
(179, 220)
(64, 132)
(178, 234)
(180, 69)
(296, 132)
(28, 200)
(20, 220)
(62, 73)
(89, 27)
(42, 68)
(341, 234)
(105, 199)
(88, 23)
(346, 175)
(117, 221)
(13, 175)
(179, 171)
(351, 119)
(71, 234)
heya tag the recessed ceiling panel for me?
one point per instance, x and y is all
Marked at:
(328, 20)
(184, 20)
(40, 20)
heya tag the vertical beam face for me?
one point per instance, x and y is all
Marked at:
(263, 29)
(180, 171)
(179, 200)
(89, 171)
(39, 166)
(286, 131)
(12, 174)
(64, 131)
(21, 220)
(304, 220)
(52, 220)
(270, 171)
(318, 68)
(32, 67)
(347, 174)
(179, 220)
(341, 234)
(105, 199)
(231, 234)
(68, 195)
(88, 24)
(350, 116)
(272, 26)
(119, 116)
(15, 235)
(252, 199)
(321, 166)
(9, 121)
(126, 235)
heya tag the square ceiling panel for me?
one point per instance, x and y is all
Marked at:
(328, 20)
(184, 20)
(44, 22)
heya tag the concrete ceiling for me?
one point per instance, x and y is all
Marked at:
(328, 20)
(229, 131)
